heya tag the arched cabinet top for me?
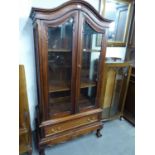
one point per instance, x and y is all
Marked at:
(53, 14)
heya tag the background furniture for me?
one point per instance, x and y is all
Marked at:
(70, 45)
(25, 141)
(114, 91)
(130, 50)
(120, 12)
(129, 110)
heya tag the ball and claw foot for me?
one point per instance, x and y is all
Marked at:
(98, 133)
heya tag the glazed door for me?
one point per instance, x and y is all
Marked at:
(61, 51)
(91, 61)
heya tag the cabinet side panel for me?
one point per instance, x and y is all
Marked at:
(38, 66)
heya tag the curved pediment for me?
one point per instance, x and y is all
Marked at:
(51, 14)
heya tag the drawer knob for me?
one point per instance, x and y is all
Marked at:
(56, 129)
(59, 128)
(53, 130)
(90, 119)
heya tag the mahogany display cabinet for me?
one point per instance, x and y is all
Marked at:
(70, 47)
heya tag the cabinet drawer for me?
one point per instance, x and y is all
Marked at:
(50, 130)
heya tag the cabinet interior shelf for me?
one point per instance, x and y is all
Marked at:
(91, 50)
(61, 104)
(61, 66)
(59, 50)
(57, 87)
(69, 50)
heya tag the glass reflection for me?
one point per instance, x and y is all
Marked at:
(89, 71)
(118, 12)
(60, 68)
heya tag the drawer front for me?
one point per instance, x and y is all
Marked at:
(70, 134)
(50, 130)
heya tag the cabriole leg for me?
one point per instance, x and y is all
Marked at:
(98, 133)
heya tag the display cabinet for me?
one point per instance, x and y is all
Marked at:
(70, 45)
(25, 140)
(115, 87)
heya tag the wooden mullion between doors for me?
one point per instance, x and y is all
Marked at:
(79, 59)
(74, 63)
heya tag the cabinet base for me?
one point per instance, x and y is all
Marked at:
(63, 137)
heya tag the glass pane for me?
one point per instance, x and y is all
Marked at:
(105, 113)
(109, 87)
(89, 70)
(118, 92)
(118, 12)
(59, 68)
